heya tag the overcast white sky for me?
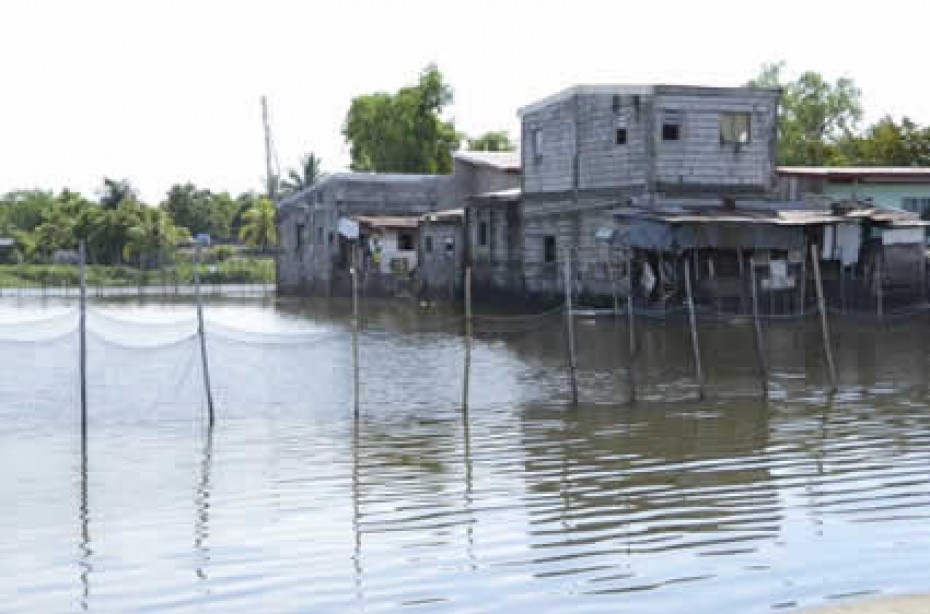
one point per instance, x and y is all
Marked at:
(162, 91)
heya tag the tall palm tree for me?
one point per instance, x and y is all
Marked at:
(306, 176)
(151, 237)
(259, 230)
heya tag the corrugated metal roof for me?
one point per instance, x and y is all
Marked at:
(857, 172)
(776, 217)
(501, 160)
(388, 221)
(509, 195)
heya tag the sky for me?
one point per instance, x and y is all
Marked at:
(162, 92)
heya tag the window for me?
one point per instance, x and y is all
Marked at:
(537, 136)
(735, 128)
(428, 245)
(621, 135)
(549, 248)
(319, 197)
(483, 233)
(671, 126)
(300, 237)
(450, 245)
(331, 237)
(319, 234)
(404, 241)
(917, 204)
(615, 103)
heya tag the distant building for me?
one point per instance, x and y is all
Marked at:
(906, 188)
(315, 252)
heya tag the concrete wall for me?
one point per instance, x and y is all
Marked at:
(312, 266)
(440, 267)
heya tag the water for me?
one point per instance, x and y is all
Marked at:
(727, 505)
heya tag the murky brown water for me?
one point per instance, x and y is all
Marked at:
(727, 505)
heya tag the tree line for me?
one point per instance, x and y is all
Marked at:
(119, 228)
(820, 124)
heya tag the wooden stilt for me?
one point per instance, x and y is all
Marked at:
(695, 346)
(760, 340)
(468, 335)
(202, 334)
(355, 365)
(82, 327)
(824, 327)
(570, 329)
(631, 327)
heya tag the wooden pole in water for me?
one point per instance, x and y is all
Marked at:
(880, 294)
(757, 324)
(355, 365)
(202, 335)
(468, 334)
(695, 346)
(82, 327)
(570, 328)
(824, 327)
(631, 322)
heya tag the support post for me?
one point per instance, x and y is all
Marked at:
(880, 291)
(202, 335)
(695, 346)
(355, 365)
(468, 335)
(803, 308)
(824, 327)
(631, 323)
(82, 328)
(570, 328)
(757, 324)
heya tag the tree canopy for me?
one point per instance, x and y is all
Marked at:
(497, 140)
(306, 175)
(403, 132)
(815, 115)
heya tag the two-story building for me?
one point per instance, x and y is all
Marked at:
(589, 150)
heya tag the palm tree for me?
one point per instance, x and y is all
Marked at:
(259, 230)
(306, 176)
(114, 192)
(151, 236)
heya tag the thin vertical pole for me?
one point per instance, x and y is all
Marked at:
(468, 335)
(355, 365)
(616, 295)
(570, 328)
(760, 342)
(824, 327)
(202, 335)
(631, 323)
(695, 346)
(803, 307)
(880, 298)
(82, 327)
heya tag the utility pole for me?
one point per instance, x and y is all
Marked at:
(271, 178)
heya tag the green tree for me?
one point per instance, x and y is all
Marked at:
(152, 238)
(305, 176)
(492, 141)
(259, 229)
(114, 192)
(887, 143)
(815, 116)
(403, 132)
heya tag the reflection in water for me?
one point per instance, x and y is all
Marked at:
(202, 507)
(84, 515)
(731, 505)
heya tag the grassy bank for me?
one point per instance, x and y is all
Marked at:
(233, 271)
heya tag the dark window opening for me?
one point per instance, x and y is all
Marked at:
(319, 234)
(621, 136)
(616, 103)
(428, 244)
(405, 241)
(331, 238)
(319, 197)
(549, 249)
(300, 237)
(483, 233)
(537, 144)
(671, 132)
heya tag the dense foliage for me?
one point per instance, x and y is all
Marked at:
(403, 132)
(120, 229)
(819, 125)
(496, 140)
